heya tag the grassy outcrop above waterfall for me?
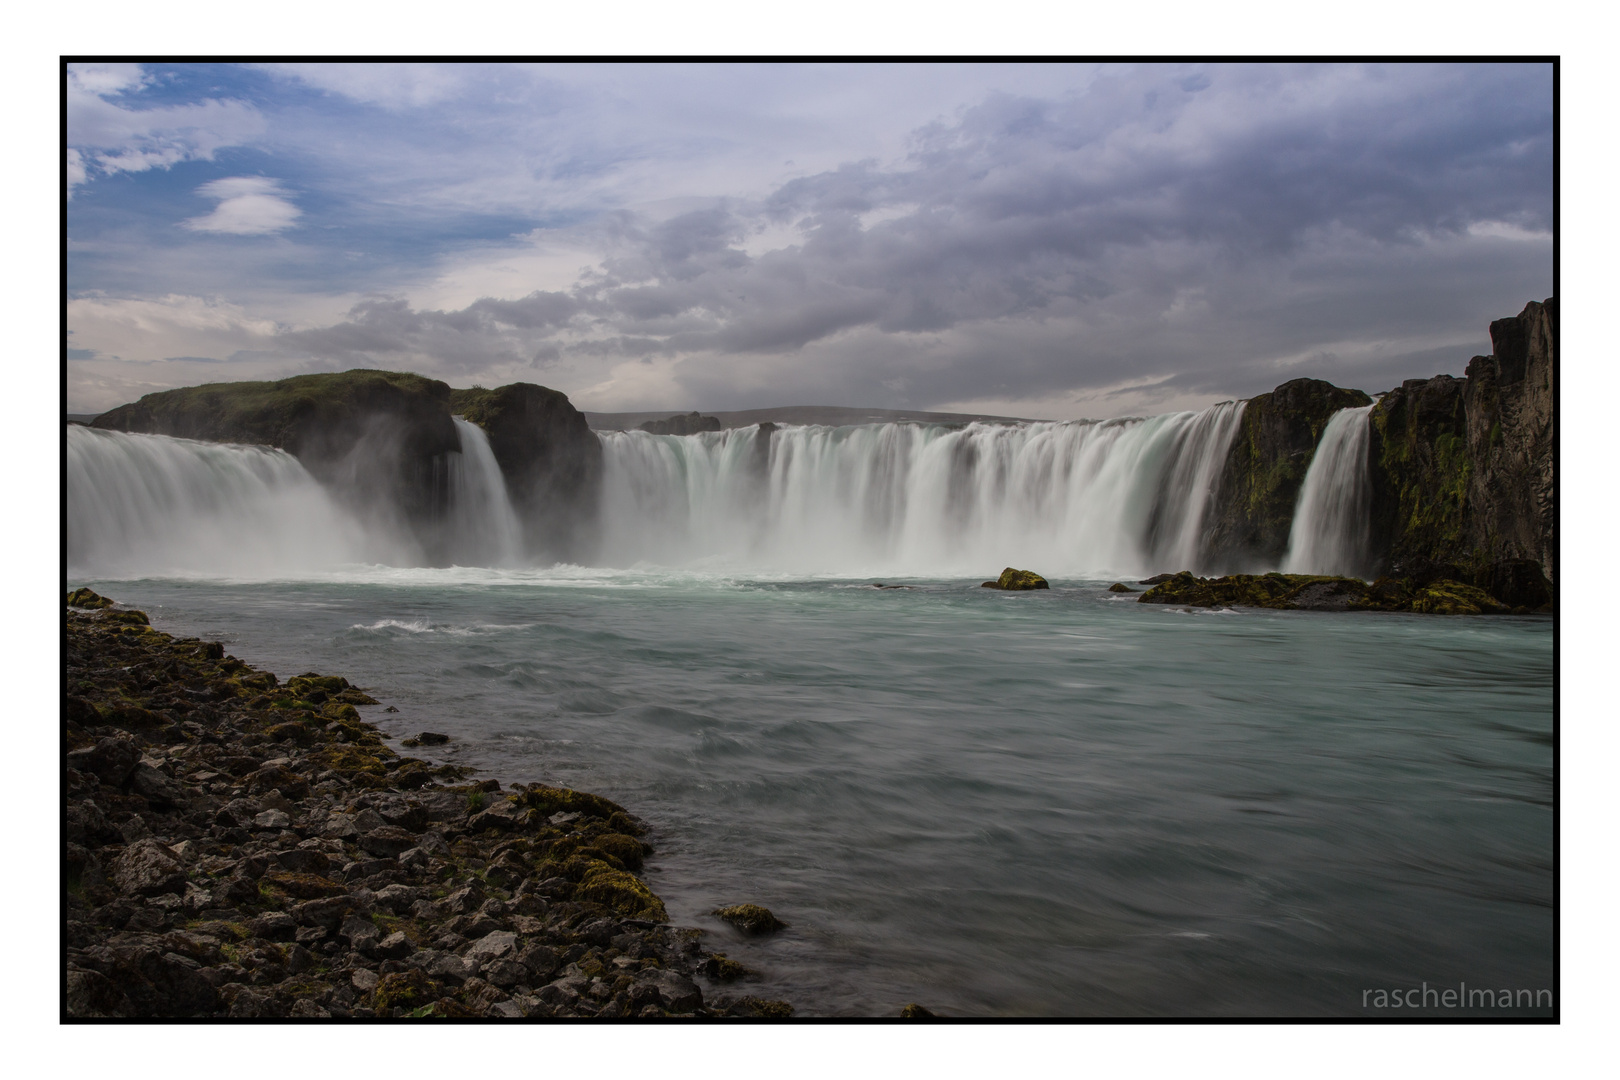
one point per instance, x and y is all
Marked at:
(316, 418)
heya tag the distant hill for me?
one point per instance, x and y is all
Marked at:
(832, 415)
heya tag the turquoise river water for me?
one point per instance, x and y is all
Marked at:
(1059, 803)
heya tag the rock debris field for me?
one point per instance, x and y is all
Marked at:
(239, 847)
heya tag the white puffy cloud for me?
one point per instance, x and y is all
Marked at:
(248, 206)
(106, 136)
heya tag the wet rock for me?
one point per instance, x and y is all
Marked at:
(495, 945)
(92, 994)
(916, 1012)
(721, 969)
(111, 760)
(1120, 586)
(328, 913)
(541, 960)
(159, 983)
(368, 819)
(432, 738)
(759, 1009)
(387, 841)
(361, 934)
(750, 918)
(395, 946)
(676, 992)
(274, 926)
(450, 967)
(1017, 581)
(410, 816)
(277, 778)
(302, 860)
(147, 868)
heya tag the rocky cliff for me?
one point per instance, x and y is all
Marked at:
(379, 439)
(376, 437)
(550, 458)
(1254, 506)
(1463, 469)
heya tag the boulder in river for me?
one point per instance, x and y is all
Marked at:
(1017, 581)
(750, 918)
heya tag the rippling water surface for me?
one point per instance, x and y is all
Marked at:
(1056, 803)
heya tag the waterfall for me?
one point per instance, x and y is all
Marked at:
(1330, 530)
(1068, 499)
(150, 504)
(1108, 497)
(480, 525)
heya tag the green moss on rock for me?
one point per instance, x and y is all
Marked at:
(750, 918)
(1017, 581)
(621, 891)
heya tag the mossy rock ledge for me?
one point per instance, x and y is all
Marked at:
(239, 847)
(1013, 580)
(1313, 592)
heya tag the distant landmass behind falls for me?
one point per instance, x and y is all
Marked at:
(797, 414)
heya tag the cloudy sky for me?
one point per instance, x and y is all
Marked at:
(1035, 240)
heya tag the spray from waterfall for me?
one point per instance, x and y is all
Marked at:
(1330, 534)
(149, 504)
(1117, 496)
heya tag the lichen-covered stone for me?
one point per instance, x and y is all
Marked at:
(1017, 581)
(750, 918)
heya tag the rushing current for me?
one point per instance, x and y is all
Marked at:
(1331, 518)
(1120, 496)
(1053, 804)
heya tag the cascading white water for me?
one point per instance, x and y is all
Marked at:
(1117, 496)
(1330, 534)
(482, 528)
(149, 504)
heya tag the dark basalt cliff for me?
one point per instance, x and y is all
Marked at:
(376, 437)
(1265, 467)
(379, 439)
(320, 419)
(551, 460)
(1463, 469)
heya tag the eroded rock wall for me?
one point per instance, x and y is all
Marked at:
(1254, 508)
(1464, 469)
(551, 460)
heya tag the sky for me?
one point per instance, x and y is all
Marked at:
(1043, 240)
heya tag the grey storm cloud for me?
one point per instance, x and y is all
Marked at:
(1186, 228)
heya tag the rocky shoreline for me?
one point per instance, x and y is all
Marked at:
(236, 846)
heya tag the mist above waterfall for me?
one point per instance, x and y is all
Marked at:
(150, 504)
